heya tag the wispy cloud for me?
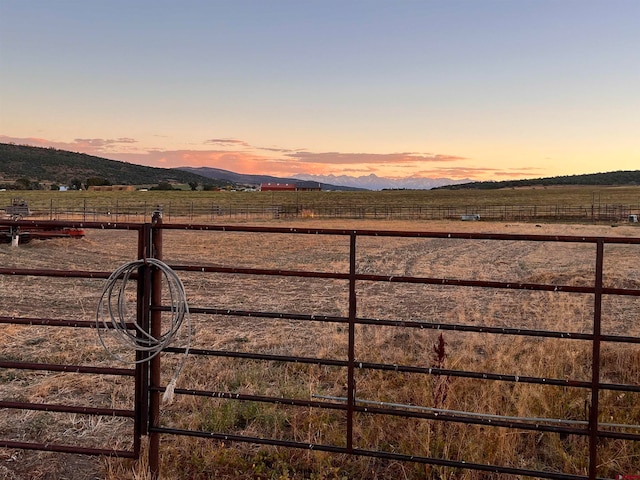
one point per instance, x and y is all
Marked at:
(226, 142)
(520, 172)
(474, 173)
(101, 142)
(92, 146)
(337, 158)
(275, 149)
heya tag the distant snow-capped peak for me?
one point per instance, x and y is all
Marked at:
(373, 182)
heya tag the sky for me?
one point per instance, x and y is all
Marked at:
(460, 89)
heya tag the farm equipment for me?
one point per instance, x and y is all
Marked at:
(15, 234)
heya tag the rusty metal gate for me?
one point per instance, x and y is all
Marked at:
(146, 413)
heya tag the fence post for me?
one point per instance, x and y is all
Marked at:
(595, 362)
(351, 383)
(141, 401)
(156, 331)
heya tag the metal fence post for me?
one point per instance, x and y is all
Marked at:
(351, 382)
(142, 368)
(156, 331)
(595, 359)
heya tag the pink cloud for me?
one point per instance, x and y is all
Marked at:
(240, 162)
(523, 172)
(337, 158)
(226, 142)
(91, 146)
(475, 173)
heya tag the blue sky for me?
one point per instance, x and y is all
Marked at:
(476, 89)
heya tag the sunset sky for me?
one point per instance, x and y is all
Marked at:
(480, 89)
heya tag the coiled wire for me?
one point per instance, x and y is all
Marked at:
(111, 316)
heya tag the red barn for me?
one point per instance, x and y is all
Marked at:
(278, 187)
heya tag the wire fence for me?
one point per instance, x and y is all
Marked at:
(175, 210)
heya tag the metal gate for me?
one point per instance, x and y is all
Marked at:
(146, 412)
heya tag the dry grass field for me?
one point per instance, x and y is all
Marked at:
(183, 201)
(187, 458)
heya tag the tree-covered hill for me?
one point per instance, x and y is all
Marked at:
(623, 177)
(49, 165)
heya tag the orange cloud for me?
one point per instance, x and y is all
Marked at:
(91, 146)
(226, 142)
(475, 173)
(337, 158)
(240, 162)
(522, 172)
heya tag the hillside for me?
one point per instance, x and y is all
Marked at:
(259, 179)
(49, 165)
(619, 178)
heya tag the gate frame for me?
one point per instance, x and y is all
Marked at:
(139, 372)
(598, 290)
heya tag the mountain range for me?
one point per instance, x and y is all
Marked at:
(373, 182)
(248, 179)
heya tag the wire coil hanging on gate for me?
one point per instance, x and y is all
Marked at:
(111, 316)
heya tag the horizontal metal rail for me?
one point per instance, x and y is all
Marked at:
(49, 447)
(52, 367)
(401, 234)
(490, 416)
(35, 272)
(366, 453)
(72, 224)
(56, 322)
(329, 362)
(47, 407)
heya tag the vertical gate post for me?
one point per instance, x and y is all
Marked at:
(141, 401)
(595, 362)
(351, 383)
(156, 331)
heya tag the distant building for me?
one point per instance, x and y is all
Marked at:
(290, 187)
(112, 188)
(278, 187)
(309, 187)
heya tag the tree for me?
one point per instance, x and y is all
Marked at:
(193, 185)
(97, 182)
(23, 184)
(76, 184)
(163, 186)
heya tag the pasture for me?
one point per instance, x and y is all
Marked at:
(189, 458)
(138, 204)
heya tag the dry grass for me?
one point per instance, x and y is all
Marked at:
(144, 202)
(184, 458)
